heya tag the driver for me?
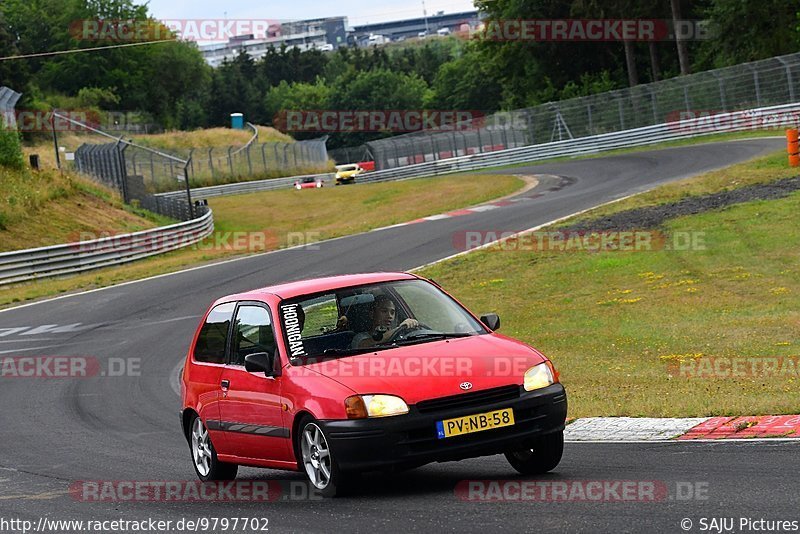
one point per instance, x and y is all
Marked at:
(383, 317)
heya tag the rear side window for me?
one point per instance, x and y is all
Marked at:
(213, 338)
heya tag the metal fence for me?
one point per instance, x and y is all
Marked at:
(141, 173)
(8, 101)
(158, 171)
(768, 82)
(111, 165)
(209, 166)
(353, 154)
(784, 116)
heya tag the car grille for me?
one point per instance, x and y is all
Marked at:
(466, 400)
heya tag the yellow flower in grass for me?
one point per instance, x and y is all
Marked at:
(681, 357)
(618, 301)
(779, 290)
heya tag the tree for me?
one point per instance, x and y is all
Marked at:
(14, 73)
(771, 30)
(467, 83)
(378, 90)
(680, 43)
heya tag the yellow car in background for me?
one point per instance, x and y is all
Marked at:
(346, 174)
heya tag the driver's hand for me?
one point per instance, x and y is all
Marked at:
(409, 323)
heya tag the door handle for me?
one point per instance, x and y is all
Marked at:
(226, 384)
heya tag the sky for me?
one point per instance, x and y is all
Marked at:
(357, 11)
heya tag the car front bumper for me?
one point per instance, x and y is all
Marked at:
(410, 440)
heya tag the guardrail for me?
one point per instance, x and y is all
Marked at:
(254, 186)
(252, 140)
(70, 258)
(753, 119)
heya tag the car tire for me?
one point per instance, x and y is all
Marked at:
(204, 456)
(316, 459)
(543, 457)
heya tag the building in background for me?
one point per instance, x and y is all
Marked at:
(399, 30)
(321, 34)
(330, 33)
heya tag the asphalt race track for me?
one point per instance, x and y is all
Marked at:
(55, 432)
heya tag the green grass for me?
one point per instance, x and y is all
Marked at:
(765, 169)
(617, 323)
(47, 208)
(277, 218)
(181, 141)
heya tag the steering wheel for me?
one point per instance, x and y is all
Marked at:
(404, 331)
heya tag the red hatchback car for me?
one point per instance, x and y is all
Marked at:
(346, 374)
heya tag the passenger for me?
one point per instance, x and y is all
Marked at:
(383, 313)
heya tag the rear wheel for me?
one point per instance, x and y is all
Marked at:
(543, 457)
(204, 457)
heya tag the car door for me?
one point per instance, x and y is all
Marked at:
(208, 363)
(251, 407)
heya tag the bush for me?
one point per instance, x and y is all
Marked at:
(10, 149)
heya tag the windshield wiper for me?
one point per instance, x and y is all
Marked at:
(432, 336)
(350, 352)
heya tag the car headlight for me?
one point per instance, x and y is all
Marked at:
(539, 377)
(362, 406)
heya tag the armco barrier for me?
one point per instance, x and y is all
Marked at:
(754, 119)
(31, 264)
(254, 186)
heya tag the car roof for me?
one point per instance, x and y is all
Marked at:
(297, 288)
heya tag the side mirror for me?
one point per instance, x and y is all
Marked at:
(491, 320)
(260, 362)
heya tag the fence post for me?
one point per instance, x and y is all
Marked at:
(230, 160)
(723, 104)
(686, 99)
(264, 156)
(654, 104)
(123, 175)
(249, 162)
(211, 161)
(788, 76)
(55, 139)
(188, 188)
(755, 82)
(396, 155)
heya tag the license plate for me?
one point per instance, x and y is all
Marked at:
(475, 423)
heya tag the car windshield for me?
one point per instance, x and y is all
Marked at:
(354, 320)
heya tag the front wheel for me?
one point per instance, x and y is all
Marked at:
(316, 459)
(204, 456)
(543, 457)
